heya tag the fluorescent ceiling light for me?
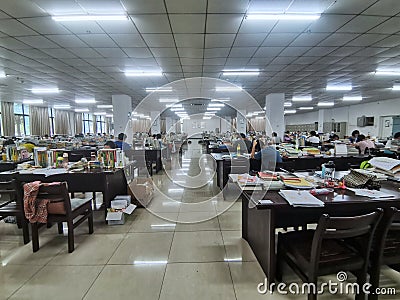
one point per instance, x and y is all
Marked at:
(221, 100)
(168, 100)
(33, 101)
(301, 98)
(259, 112)
(207, 118)
(100, 113)
(326, 103)
(173, 105)
(216, 105)
(2, 74)
(396, 87)
(177, 109)
(387, 72)
(241, 73)
(45, 90)
(290, 111)
(104, 106)
(213, 108)
(306, 108)
(85, 101)
(69, 18)
(110, 116)
(352, 98)
(259, 117)
(228, 89)
(62, 106)
(287, 104)
(82, 110)
(143, 73)
(339, 87)
(161, 89)
(210, 113)
(288, 16)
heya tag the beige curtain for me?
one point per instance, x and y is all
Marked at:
(163, 125)
(39, 121)
(78, 123)
(61, 120)
(7, 118)
(71, 124)
(257, 124)
(141, 125)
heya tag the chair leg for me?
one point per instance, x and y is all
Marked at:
(70, 236)
(25, 230)
(35, 237)
(60, 227)
(361, 281)
(90, 220)
(313, 296)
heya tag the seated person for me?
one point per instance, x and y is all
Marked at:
(120, 142)
(313, 138)
(244, 142)
(394, 142)
(333, 138)
(354, 137)
(364, 143)
(275, 138)
(109, 145)
(268, 155)
(286, 137)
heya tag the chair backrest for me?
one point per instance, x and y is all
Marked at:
(12, 189)
(57, 194)
(361, 227)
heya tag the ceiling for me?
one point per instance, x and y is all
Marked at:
(192, 38)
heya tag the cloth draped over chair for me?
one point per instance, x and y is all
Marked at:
(40, 124)
(61, 122)
(7, 118)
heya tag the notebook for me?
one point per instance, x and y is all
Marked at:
(301, 198)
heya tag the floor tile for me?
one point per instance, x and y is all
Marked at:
(237, 249)
(143, 247)
(59, 282)
(197, 221)
(200, 246)
(89, 250)
(197, 281)
(230, 220)
(128, 282)
(12, 277)
(149, 222)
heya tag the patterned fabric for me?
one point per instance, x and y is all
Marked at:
(360, 180)
(35, 208)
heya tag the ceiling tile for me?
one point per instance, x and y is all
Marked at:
(87, 27)
(320, 51)
(383, 8)
(268, 51)
(329, 23)
(219, 40)
(189, 40)
(12, 43)
(15, 28)
(84, 52)
(59, 53)
(294, 51)
(223, 23)
(102, 7)
(144, 6)
(37, 41)
(349, 7)
(216, 52)
(187, 23)
(214, 61)
(242, 52)
(290, 26)
(338, 39)
(391, 26)
(361, 24)
(308, 39)
(57, 7)
(64, 40)
(117, 27)
(275, 39)
(164, 52)
(138, 52)
(159, 40)
(32, 53)
(152, 23)
(391, 41)
(128, 40)
(189, 6)
(191, 61)
(97, 40)
(112, 52)
(250, 39)
(44, 25)
(233, 6)
(191, 52)
(21, 8)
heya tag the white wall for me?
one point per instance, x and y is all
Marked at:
(210, 125)
(350, 113)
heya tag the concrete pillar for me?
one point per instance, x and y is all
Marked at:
(169, 125)
(155, 122)
(122, 108)
(274, 110)
(241, 126)
(321, 120)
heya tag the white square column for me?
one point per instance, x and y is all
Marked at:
(155, 122)
(274, 111)
(241, 125)
(321, 120)
(122, 109)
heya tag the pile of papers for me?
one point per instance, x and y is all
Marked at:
(301, 198)
(371, 193)
(386, 165)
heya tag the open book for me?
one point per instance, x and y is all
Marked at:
(301, 198)
(386, 165)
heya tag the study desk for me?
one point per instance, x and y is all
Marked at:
(259, 222)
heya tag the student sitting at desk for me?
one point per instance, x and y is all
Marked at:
(395, 142)
(268, 155)
(313, 138)
(354, 137)
(364, 144)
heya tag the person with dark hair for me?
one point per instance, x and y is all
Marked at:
(120, 143)
(395, 142)
(354, 136)
(268, 155)
(109, 145)
(333, 138)
(275, 138)
(246, 141)
(313, 138)
(397, 136)
(363, 144)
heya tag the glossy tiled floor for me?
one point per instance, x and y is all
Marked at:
(146, 258)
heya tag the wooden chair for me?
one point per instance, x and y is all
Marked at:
(13, 206)
(63, 209)
(326, 251)
(386, 248)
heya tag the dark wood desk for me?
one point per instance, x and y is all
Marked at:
(260, 221)
(11, 165)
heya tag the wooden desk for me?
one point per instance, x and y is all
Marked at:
(260, 221)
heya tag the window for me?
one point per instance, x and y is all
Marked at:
(87, 120)
(51, 120)
(22, 120)
(100, 124)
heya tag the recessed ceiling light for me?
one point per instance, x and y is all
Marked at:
(158, 90)
(207, 118)
(85, 101)
(100, 113)
(339, 87)
(69, 18)
(168, 100)
(177, 109)
(216, 105)
(221, 100)
(306, 108)
(287, 16)
(45, 90)
(290, 111)
(301, 98)
(104, 106)
(213, 108)
(110, 116)
(352, 98)
(143, 73)
(33, 101)
(326, 104)
(260, 118)
(387, 72)
(2, 74)
(228, 89)
(396, 87)
(240, 72)
(287, 104)
(62, 106)
(82, 110)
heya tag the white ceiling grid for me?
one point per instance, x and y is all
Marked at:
(188, 38)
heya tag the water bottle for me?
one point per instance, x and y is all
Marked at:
(238, 150)
(329, 173)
